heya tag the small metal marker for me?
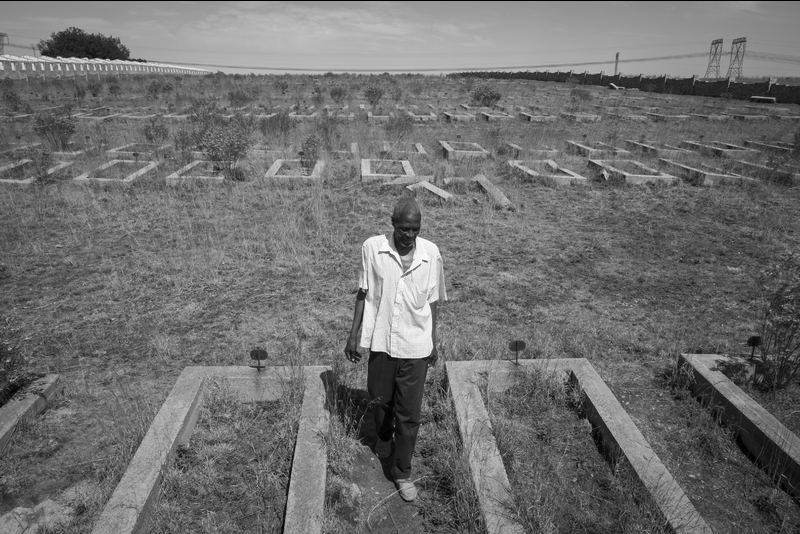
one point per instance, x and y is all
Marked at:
(258, 354)
(753, 341)
(516, 346)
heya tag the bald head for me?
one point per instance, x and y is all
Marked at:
(405, 207)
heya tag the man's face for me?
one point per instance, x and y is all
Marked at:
(406, 229)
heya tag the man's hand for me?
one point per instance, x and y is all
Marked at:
(433, 357)
(351, 351)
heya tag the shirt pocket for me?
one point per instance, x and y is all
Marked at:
(417, 286)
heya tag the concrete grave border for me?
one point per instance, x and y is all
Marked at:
(489, 116)
(120, 150)
(580, 117)
(27, 405)
(519, 151)
(451, 153)
(26, 181)
(493, 191)
(702, 176)
(660, 117)
(766, 439)
(136, 494)
(177, 177)
(717, 148)
(128, 179)
(793, 175)
(450, 116)
(649, 175)
(536, 118)
(429, 117)
(316, 172)
(607, 416)
(710, 117)
(758, 145)
(567, 177)
(662, 151)
(419, 150)
(601, 150)
(298, 117)
(368, 176)
(379, 118)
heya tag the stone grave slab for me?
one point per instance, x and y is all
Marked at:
(128, 509)
(580, 117)
(30, 179)
(385, 169)
(90, 175)
(490, 116)
(659, 150)
(631, 171)
(703, 176)
(531, 117)
(608, 418)
(429, 117)
(595, 149)
(458, 117)
(765, 438)
(291, 170)
(718, 149)
(546, 169)
(453, 150)
(24, 407)
(425, 184)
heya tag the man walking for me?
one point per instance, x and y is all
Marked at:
(400, 283)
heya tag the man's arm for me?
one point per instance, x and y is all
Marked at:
(351, 349)
(435, 352)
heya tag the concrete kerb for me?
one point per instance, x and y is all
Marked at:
(555, 173)
(25, 407)
(133, 499)
(86, 177)
(605, 413)
(773, 446)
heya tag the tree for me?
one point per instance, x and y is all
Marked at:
(74, 42)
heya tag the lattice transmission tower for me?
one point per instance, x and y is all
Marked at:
(737, 58)
(3, 41)
(714, 58)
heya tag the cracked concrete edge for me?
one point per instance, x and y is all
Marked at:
(128, 509)
(39, 394)
(774, 447)
(305, 501)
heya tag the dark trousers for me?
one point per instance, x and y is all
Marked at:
(396, 386)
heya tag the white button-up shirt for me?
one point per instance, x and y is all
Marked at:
(397, 313)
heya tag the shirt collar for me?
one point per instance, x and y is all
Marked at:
(420, 253)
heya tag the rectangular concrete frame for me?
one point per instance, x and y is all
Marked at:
(120, 150)
(767, 440)
(430, 117)
(316, 172)
(177, 177)
(32, 179)
(133, 499)
(768, 147)
(458, 117)
(567, 178)
(662, 151)
(298, 117)
(419, 150)
(368, 176)
(128, 179)
(488, 116)
(451, 153)
(25, 407)
(703, 177)
(725, 150)
(424, 184)
(647, 175)
(379, 118)
(755, 167)
(598, 150)
(536, 118)
(607, 416)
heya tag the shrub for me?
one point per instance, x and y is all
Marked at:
(225, 143)
(114, 87)
(281, 85)
(485, 95)
(12, 100)
(328, 131)
(399, 126)
(55, 128)
(80, 92)
(397, 93)
(780, 324)
(309, 153)
(154, 130)
(239, 98)
(318, 96)
(94, 87)
(279, 125)
(6, 84)
(373, 93)
(157, 87)
(580, 95)
(338, 93)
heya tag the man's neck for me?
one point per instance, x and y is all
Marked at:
(403, 251)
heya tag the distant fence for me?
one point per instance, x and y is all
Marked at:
(789, 94)
(25, 67)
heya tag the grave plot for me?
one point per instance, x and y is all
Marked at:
(660, 117)
(343, 153)
(429, 117)
(22, 172)
(303, 116)
(385, 169)
(622, 442)
(658, 150)
(137, 115)
(630, 171)
(378, 116)
(628, 117)
(490, 116)
(779, 148)
(454, 150)
(547, 170)
(709, 117)
(580, 117)
(295, 170)
(782, 173)
(718, 149)
(516, 151)
(595, 149)
(74, 150)
(406, 149)
(118, 170)
(136, 150)
(131, 506)
(748, 117)
(532, 117)
(452, 116)
(701, 176)
(198, 170)
(98, 114)
(18, 148)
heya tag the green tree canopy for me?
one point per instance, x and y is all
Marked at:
(74, 42)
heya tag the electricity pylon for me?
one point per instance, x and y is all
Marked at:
(714, 58)
(737, 58)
